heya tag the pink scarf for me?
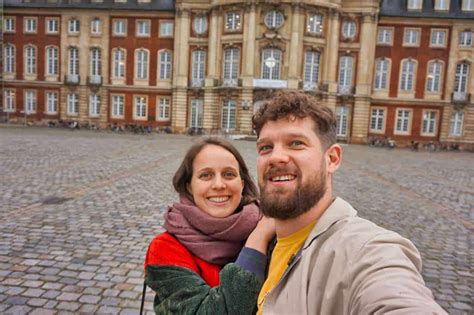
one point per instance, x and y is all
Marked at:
(215, 240)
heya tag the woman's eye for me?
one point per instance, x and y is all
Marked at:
(205, 176)
(230, 175)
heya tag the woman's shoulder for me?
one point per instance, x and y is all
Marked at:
(165, 249)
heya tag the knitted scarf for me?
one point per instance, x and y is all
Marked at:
(215, 240)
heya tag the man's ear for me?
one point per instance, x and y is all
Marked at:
(334, 158)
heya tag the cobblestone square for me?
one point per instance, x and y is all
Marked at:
(78, 209)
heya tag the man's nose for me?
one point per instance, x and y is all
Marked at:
(279, 156)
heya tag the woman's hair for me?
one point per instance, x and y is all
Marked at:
(182, 177)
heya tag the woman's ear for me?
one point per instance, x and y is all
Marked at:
(188, 188)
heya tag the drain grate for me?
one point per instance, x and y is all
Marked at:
(55, 200)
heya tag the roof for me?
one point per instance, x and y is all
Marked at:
(158, 5)
(399, 8)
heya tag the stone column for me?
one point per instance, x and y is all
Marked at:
(213, 47)
(249, 51)
(332, 52)
(296, 44)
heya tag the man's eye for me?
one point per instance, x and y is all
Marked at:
(296, 143)
(264, 148)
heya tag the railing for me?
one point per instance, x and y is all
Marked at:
(72, 79)
(229, 82)
(460, 97)
(197, 82)
(307, 86)
(95, 80)
(345, 89)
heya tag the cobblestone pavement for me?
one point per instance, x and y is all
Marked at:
(77, 210)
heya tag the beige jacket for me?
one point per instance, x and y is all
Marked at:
(349, 265)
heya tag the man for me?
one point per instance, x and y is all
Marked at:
(326, 260)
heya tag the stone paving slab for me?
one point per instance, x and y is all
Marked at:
(78, 209)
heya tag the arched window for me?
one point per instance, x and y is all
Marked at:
(118, 63)
(311, 68)
(198, 67)
(228, 115)
(9, 59)
(407, 78)
(141, 64)
(346, 64)
(231, 66)
(166, 58)
(52, 62)
(96, 61)
(381, 74)
(271, 63)
(73, 64)
(461, 77)
(30, 59)
(433, 79)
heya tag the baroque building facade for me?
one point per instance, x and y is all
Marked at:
(399, 69)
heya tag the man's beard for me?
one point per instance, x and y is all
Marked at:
(276, 205)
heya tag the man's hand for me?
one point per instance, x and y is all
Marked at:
(263, 233)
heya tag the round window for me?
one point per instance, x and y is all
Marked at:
(274, 19)
(349, 29)
(200, 24)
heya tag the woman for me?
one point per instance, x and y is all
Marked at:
(199, 265)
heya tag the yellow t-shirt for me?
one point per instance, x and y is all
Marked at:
(285, 248)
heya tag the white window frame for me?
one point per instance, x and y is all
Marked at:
(142, 64)
(342, 120)
(9, 100)
(9, 58)
(51, 102)
(404, 120)
(456, 124)
(95, 57)
(414, 4)
(73, 104)
(31, 60)
(276, 55)
(429, 124)
(349, 29)
(118, 64)
(229, 115)
(196, 116)
(164, 108)
(468, 5)
(382, 74)
(52, 25)
(441, 5)
(346, 72)
(73, 61)
(118, 106)
(434, 76)
(274, 19)
(461, 77)
(119, 27)
(385, 36)
(30, 105)
(94, 105)
(438, 38)
(411, 37)
(200, 24)
(31, 25)
(52, 60)
(165, 60)
(9, 23)
(407, 77)
(96, 26)
(312, 65)
(143, 28)
(74, 26)
(314, 24)
(233, 21)
(465, 38)
(198, 67)
(377, 119)
(140, 107)
(166, 28)
(230, 68)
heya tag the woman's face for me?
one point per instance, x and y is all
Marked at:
(216, 185)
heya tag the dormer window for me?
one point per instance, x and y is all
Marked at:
(414, 4)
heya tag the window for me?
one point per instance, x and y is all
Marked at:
(141, 64)
(143, 28)
(166, 29)
(164, 108)
(462, 75)
(433, 80)
(429, 123)
(271, 63)
(51, 102)
(73, 26)
(414, 4)
(315, 24)
(198, 67)
(311, 69)
(73, 104)
(9, 24)
(232, 21)
(402, 125)
(95, 59)
(140, 107)
(465, 39)
(381, 74)
(438, 38)
(345, 74)
(231, 66)
(468, 5)
(30, 60)
(442, 5)
(200, 24)
(384, 36)
(408, 75)
(274, 19)
(52, 26)
(197, 113)
(52, 63)
(118, 67)
(349, 29)
(165, 57)
(228, 115)
(94, 105)
(73, 65)
(9, 100)
(120, 27)
(118, 102)
(377, 120)
(96, 26)
(30, 25)
(341, 121)
(456, 123)
(30, 102)
(411, 37)
(9, 59)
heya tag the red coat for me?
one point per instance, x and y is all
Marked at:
(165, 249)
